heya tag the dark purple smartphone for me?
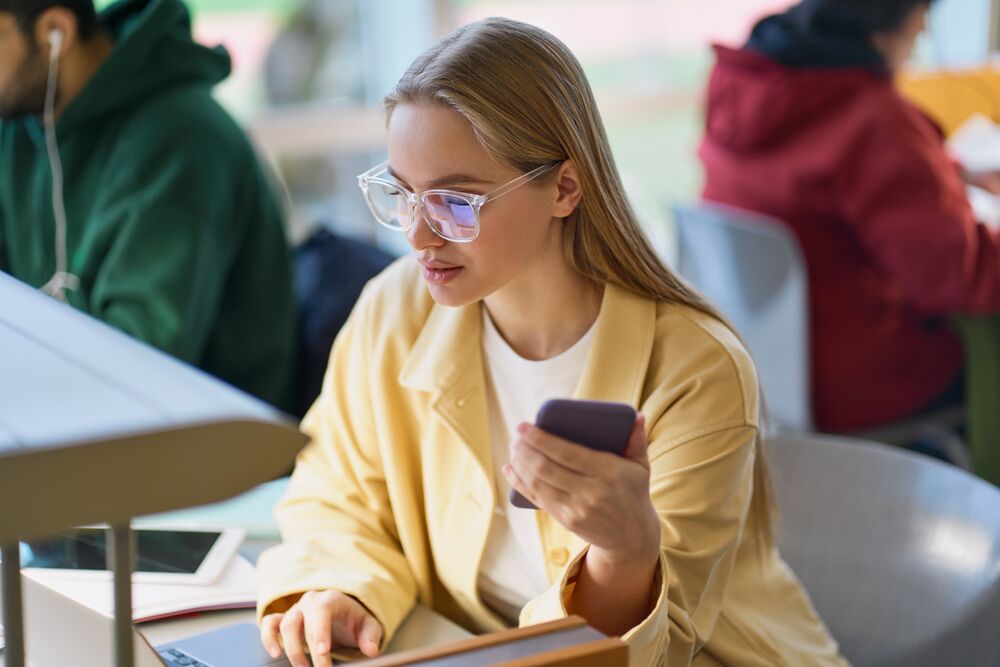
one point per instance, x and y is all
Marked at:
(599, 425)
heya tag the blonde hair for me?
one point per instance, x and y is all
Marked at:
(529, 103)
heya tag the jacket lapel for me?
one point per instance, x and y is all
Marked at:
(615, 370)
(447, 362)
(621, 350)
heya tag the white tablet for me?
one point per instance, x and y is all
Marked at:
(162, 555)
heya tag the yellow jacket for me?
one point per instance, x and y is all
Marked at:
(392, 500)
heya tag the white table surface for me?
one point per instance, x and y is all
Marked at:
(421, 628)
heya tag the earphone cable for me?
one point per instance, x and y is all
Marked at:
(61, 280)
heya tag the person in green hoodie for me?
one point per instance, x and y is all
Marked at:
(171, 229)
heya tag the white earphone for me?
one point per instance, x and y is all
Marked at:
(62, 279)
(55, 43)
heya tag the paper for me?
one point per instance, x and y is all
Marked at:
(235, 589)
(985, 206)
(977, 144)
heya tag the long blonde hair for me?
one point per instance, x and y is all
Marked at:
(529, 103)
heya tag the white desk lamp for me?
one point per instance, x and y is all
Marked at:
(96, 427)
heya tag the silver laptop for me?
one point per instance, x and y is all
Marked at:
(60, 631)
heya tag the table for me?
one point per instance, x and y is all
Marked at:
(422, 628)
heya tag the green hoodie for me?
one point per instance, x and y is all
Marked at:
(173, 228)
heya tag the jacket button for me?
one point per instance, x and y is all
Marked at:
(559, 556)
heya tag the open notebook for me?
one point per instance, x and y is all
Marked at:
(235, 589)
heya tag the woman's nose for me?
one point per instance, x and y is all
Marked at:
(420, 235)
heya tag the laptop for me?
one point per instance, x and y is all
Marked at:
(60, 631)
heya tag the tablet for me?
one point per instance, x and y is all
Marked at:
(162, 555)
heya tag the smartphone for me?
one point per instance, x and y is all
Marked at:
(599, 425)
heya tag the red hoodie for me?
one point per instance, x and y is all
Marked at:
(891, 245)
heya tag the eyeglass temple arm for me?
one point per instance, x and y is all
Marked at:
(518, 182)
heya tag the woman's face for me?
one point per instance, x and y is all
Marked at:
(432, 146)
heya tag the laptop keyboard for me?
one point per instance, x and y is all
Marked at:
(174, 657)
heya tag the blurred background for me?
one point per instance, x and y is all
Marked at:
(309, 75)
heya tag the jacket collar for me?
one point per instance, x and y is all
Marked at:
(616, 365)
(446, 361)
(446, 358)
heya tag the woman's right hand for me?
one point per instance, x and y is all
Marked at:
(323, 621)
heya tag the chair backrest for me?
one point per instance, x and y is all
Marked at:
(751, 268)
(899, 552)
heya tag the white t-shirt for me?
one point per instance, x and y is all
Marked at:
(513, 570)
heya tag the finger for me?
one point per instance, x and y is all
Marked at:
(317, 626)
(370, 636)
(636, 449)
(515, 482)
(291, 637)
(542, 495)
(269, 634)
(532, 464)
(577, 458)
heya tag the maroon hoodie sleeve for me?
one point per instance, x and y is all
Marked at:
(906, 202)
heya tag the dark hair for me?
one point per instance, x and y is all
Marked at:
(27, 12)
(859, 18)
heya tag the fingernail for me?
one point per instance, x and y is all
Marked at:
(523, 427)
(274, 651)
(321, 647)
(506, 470)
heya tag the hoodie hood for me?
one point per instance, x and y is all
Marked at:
(153, 52)
(754, 101)
(787, 78)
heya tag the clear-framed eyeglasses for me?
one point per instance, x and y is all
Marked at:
(454, 216)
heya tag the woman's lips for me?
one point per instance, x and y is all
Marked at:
(440, 274)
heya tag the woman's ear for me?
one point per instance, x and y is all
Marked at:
(569, 192)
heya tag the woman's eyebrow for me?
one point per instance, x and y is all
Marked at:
(451, 179)
(457, 179)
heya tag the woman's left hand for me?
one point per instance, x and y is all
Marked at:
(602, 498)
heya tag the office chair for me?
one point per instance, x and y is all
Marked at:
(900, 553)
(751, 268)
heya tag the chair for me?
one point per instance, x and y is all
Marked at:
(900, 553)
(750, 266)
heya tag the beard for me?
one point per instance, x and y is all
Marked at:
(25, 93)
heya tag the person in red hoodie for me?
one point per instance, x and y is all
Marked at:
(805, 124)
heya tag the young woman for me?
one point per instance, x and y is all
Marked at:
(531, 280)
